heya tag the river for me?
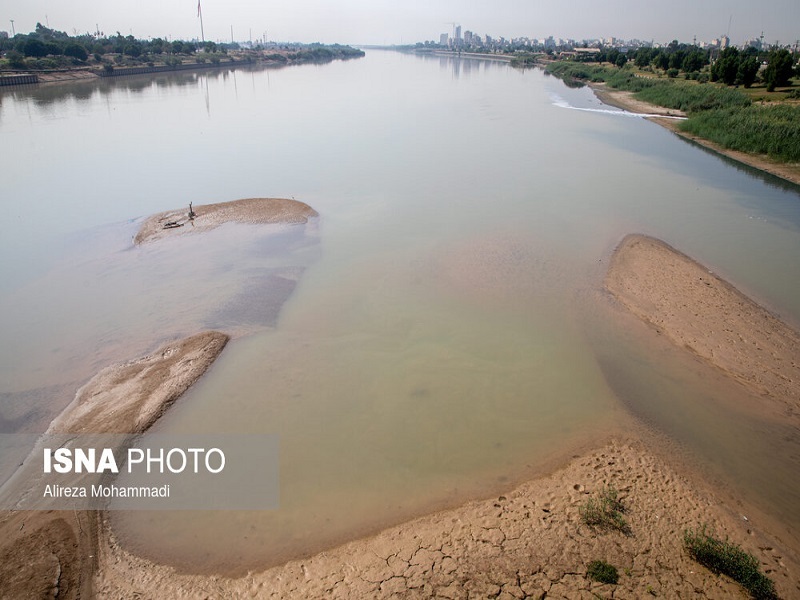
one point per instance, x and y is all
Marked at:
(434, 336)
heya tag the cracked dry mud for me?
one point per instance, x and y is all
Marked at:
(528, 543)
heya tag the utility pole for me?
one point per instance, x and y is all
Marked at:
(200, 14)
(13, 32)
(231, 34)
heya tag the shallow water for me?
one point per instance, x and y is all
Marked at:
(441, 340)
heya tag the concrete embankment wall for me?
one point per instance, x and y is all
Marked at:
(119, 72)
(18, 79)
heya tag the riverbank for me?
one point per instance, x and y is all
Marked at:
(626, 101)
(118, 65)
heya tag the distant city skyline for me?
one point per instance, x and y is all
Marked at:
(393, 22)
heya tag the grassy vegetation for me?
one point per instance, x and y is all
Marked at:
(603, 572)
(771, 130)
(718, 113)
(729, 559)
(680, 95)
(605, 512)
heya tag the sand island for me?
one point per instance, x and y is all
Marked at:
(257, 211)
(528, 542)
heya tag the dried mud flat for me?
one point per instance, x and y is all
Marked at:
(528, 543)
(209, 216)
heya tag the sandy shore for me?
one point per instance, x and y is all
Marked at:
(626, 101)
(209, 216)
(698, 311)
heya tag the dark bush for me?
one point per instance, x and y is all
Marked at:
(723, 557)
(603, 572)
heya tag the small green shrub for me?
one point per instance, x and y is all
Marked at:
(605, 512)
(729, 559)
(603, 572)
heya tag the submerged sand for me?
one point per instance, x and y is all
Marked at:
(209, 216)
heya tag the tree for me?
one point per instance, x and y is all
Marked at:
(661, 61)
(779, 70)
(643, 57)
(34, 47)
(748, 69)
(76, 51)
(621, 60)
(726, 67)
(133, 49)
(694, 61)
(676, 59)
(15, 59)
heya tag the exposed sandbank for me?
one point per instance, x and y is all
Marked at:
(46, 554)
(706, 315)
(625, 100)
(54, 553)
(210, 216)
(130, 397)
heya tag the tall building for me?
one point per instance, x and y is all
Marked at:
(724, 42)
(458, 34)
(443, 39)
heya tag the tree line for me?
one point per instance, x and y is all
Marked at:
(46, 42)
(730, 66)
(47, 48)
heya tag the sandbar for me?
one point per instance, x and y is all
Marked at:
(699, 311)
(209, 216)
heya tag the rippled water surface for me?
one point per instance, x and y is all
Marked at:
(435, 335)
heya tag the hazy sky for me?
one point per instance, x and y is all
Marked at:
(393, 21)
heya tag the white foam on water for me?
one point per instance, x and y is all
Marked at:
(561, 103)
